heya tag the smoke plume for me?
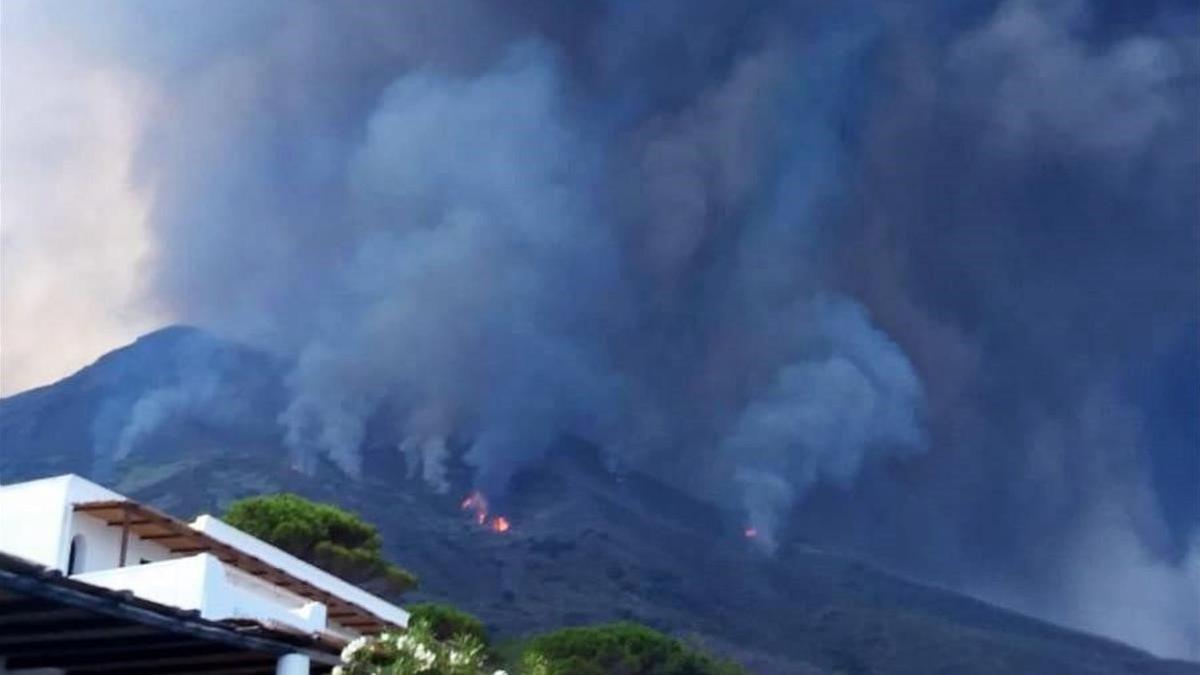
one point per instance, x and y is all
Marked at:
(894, 277)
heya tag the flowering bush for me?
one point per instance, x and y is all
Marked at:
(626, 648)
(415, 652)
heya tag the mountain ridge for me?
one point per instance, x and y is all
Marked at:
(587, 544)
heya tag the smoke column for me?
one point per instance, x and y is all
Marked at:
(905, 279)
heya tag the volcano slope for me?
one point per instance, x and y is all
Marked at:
(186, 422)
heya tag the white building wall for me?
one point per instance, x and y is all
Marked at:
(38, 523)
(243, 595)
(102, 543)
(101, 548)
(218, 591)
(228, 534)
(179, 583)
(32, 519)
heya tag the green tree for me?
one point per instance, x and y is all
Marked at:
(329, 537)
(447, 622)
(619, 649)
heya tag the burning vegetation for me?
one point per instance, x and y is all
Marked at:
(477, 504)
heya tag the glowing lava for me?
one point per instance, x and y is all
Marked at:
(750, 532)
(477, 504)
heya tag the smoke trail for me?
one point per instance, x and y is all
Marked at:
(180, 375)
(854, 398)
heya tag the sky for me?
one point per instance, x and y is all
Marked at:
(920, 281)
(74, 226)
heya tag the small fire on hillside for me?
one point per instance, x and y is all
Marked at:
(477, 504)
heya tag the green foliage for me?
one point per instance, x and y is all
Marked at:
(447, 622)
(330, 538)
(533, 663)
(618, 649)
(414, 652)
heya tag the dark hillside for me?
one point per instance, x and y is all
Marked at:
(585, 545)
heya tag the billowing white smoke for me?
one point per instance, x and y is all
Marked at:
(487, 294)
(199, 394)
(852, 398)
(471, 212)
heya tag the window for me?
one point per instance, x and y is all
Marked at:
(75, 556)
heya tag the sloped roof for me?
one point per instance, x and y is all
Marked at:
(177, 536)
(48, 620)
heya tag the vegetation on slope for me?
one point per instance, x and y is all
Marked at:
(344, 544)
(610, 649)
(619, 649)
(329, 537)
(446, 621)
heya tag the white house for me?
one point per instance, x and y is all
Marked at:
(214, 571)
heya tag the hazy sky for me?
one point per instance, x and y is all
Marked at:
(74, 235)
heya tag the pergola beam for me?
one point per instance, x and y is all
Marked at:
(124, 534)
(114, 615)
(76, 623)
(249, 667)
(128, 654)
(179, 537)
(95, 647)
(24, 611)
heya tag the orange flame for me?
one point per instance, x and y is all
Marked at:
(750, 532)
(477, 504)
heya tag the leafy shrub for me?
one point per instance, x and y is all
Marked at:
(447, 622)
(618, 649)
(330, 538)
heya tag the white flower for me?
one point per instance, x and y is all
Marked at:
(500, 672)
(424, 655)
(355, 645)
